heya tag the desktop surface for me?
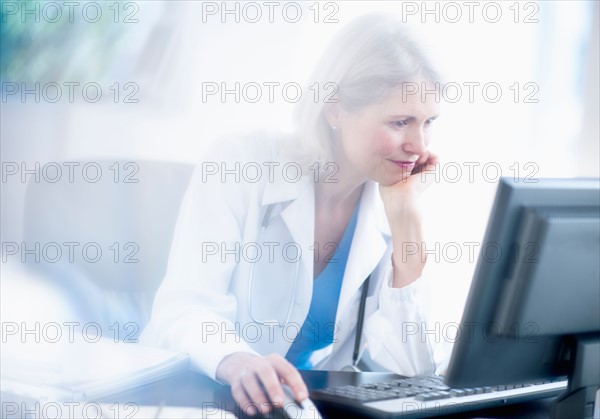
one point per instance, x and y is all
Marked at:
(191, 389)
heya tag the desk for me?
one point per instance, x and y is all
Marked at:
(193, 389)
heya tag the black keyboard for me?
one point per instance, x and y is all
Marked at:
(430, 396)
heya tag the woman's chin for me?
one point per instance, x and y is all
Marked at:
(390, 179)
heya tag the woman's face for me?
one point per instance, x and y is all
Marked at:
(383, 141)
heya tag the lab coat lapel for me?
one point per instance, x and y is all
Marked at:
(299, 217)
(370, 238)
(369, 244)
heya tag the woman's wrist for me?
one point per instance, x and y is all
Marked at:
(408, 258)
(230, 365)
(400, 206)
(406, 269)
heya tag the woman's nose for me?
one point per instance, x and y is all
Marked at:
(415, 142)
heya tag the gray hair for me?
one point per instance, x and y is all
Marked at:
(365, 62)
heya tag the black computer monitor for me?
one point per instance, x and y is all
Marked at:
(533, 310)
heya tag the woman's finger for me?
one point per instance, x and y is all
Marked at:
(241, 397)
(431, 162)
(255, 393)
(291, 377)
(270, 382)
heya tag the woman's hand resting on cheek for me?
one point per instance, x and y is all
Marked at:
(400, 201)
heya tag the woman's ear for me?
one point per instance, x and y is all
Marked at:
(332, 114)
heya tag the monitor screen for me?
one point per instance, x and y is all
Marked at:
(535, 293)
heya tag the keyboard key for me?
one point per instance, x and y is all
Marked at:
(458, 392)
(400, 394)
(435, 395)
(440, 387)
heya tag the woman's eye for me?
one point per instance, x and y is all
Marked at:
(400, 123)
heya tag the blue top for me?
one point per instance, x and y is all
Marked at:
(319, 327)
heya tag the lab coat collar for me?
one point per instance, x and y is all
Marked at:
(297, 209)
(281, 190)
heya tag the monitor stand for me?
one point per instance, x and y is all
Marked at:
(584, 379)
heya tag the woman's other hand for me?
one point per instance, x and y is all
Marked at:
(404, 216)
(399, 197)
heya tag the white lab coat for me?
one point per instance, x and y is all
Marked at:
(201, 306)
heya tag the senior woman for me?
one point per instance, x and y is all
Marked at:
(277, 237)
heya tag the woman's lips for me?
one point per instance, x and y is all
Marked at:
(406, 165)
